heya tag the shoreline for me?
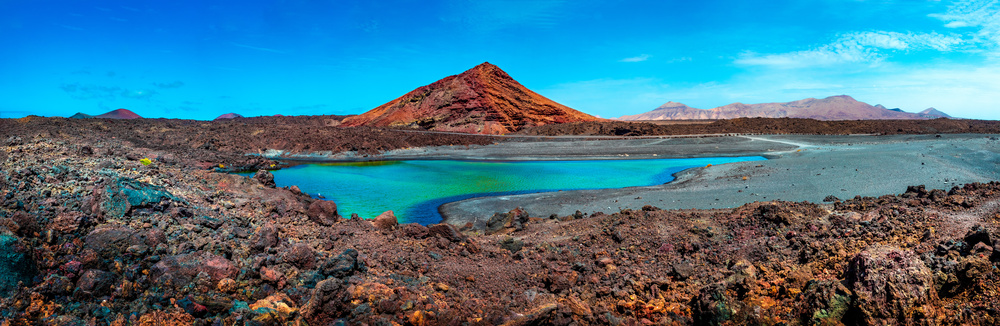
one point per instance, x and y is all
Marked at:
(426, 211)
(785, 149)
(821, 166)
(579, 148)
(676, 175)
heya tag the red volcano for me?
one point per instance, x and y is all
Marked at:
(228, 116)
(483, 99)
(119, 114)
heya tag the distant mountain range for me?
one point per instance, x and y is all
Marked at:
(116, 114)
(933, 113)
(483, 99)
(841, 107)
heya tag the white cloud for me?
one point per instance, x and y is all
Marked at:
(857, 47)
(956, 24)
(640, 58)
(981, 14)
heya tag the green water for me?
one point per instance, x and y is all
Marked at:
(413, 190)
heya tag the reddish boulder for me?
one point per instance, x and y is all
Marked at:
(181, 269)
(713, 305)
(385, 221)
(323, 212)
(264, 237)
(96, 282)
(446, 231)
(823, 302)
(415, 230)
(892, 286)
(265, 178)
(109, 242)
(343, 265)
(301, 255)
(272, 275)
(516, 218)
(66, 222)
(329, 300)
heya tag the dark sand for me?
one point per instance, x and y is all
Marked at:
(800, 168)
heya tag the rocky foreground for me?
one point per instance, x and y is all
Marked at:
(93, 233)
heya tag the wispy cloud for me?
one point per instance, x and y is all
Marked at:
(137, 94)
(983, 16)
(90, 92)
(175, 84)
(857, 47)
(257, 48)
(639, 58)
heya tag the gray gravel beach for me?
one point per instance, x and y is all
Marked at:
(800, 168)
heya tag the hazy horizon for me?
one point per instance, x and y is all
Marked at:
(199, 60)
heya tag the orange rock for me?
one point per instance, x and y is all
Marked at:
(228, 285)
(273, 276)
(578, 307)
(420, 318)
(280, 303)
(161, 318)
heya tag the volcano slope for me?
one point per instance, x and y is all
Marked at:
(484, 99)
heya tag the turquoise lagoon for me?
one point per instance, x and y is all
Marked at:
(413, 190)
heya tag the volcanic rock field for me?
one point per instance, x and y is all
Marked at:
(141, 222)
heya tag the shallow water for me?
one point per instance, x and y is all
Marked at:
(413, 190)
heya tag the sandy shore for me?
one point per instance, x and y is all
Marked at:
(591, 148)
(800, 168)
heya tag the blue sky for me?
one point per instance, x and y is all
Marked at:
(200, 59)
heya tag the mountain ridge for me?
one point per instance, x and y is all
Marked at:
(839, 107)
